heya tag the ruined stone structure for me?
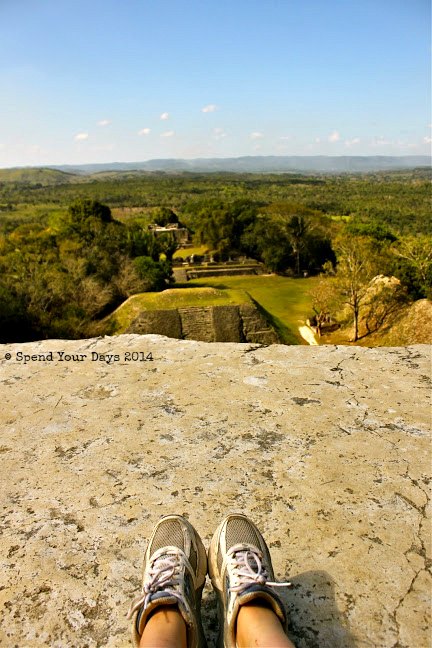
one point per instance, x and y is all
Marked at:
(201, 272)
(326, 448)
(242, 323)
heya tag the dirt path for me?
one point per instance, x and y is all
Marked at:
(308, 335)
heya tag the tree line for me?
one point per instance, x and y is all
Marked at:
(59, 280)
(400, 199)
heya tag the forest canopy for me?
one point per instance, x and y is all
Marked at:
(70, 253)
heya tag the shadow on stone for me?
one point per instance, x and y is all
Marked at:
(314, 620)
(209, 615)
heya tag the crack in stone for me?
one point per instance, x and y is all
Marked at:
(393, 615)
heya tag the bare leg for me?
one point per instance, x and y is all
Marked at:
(259, 627)
(165, 629)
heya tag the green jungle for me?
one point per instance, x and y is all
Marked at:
(74, 247)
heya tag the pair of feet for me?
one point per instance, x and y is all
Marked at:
(175, 568)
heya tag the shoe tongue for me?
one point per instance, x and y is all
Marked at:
(249, 557)
(165, 556)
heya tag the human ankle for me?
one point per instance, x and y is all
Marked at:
(259, 626)
(165, 628)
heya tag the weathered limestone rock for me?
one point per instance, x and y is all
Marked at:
(326, 448)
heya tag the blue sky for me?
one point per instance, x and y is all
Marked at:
(128, 80)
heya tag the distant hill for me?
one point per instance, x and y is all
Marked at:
(37, 176)
(65, 174)
(264, 164)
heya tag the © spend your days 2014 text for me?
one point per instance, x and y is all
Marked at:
(62, 356)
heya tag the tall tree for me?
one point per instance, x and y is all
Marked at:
(298, 228)
(354, 272)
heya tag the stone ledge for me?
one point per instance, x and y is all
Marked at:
(326, 448)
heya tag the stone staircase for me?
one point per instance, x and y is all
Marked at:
(231, 323)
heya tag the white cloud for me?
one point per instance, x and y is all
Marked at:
(352, 142)
(285, 137)
(427, 140)
(168, 134)
(104, 122)
(334, 137)
(210, 108)
(80, 137)
(317, 140)
(144, 131)
(164, 116)
(219, 133)
(256, 135)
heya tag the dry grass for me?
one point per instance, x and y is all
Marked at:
(411, 325)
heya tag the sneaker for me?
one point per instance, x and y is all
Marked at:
(240, 569)
(174, 572)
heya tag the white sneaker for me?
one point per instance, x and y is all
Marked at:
(240, 569)
(175, 567)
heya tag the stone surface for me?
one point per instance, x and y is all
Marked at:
(326, 448)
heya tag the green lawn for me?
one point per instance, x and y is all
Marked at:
(286, 300)
(187, 252)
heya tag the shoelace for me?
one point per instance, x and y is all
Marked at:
(246, 568)
(163, 575)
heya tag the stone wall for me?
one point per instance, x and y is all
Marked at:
(327, 449)
(200, 272)
(242, 323)
(166, 321)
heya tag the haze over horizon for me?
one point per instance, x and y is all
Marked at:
(133, 81)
